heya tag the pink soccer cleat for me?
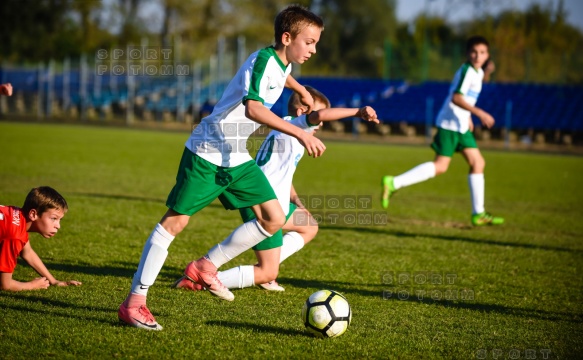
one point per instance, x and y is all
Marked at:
(186, 283)
(138, 316)
(203, 272)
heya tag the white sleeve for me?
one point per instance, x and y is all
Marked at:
(302, 122)
(468, 76)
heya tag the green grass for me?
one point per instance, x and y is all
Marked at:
(524, 278)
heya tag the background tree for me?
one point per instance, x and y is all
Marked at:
(535, 45)
(353, 39)
(361, 39)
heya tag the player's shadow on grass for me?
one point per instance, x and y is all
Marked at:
(119, 197)
(257, 328)
(397, 233)
(123, 270)
(340, 286)
(135, 198)
(120, 269)
(53, 307)
(346, 288)
(491, 308)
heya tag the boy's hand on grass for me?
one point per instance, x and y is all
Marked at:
(41, 283)
(67, 283)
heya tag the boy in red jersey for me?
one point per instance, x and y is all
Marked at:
(42, 212)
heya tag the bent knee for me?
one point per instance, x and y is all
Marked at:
(310, 233)
(273, 224)
(441, 164)
(440, 169)
(478, 166)
(271, 275)
(264, 276)
(481, 165)
(174, 225)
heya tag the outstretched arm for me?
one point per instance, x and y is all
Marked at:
(9, 284)
(366, 113)
(31, 257)
(257, 112)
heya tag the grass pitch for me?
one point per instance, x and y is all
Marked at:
(506, 292)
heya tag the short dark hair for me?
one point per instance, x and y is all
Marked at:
(476, 40)
(43, 198)
(294, 100)
(293, 19)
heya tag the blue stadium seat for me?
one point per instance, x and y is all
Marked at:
(539, 107)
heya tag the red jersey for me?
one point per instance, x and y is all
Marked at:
(13, 237)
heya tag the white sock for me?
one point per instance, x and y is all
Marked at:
(416, 175)
(242, 238)
(477, 189)
(153, 257)
(292, 243)
(238, 277)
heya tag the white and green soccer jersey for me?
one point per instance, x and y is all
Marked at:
(278, 158)
(468, 82)
(221, 137)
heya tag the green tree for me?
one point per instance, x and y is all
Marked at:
(361, 39)
(428, 50)
(198, 24)
(31, 34)
(534, 46)
(353, 39)
(50, 29)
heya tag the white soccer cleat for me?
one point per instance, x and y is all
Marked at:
(272, 286)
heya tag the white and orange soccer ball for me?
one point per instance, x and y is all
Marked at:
(326, 313)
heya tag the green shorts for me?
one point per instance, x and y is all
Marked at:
(199, 182)
(274, 241)
(447, 142)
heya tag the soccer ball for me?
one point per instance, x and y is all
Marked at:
(326, 313)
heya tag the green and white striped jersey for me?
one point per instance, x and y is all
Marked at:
(221, 137)
(278, 158)
(468, 82)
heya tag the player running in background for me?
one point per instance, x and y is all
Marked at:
(278, 158)
(41, 213)
(215, 164)
(455, 134)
